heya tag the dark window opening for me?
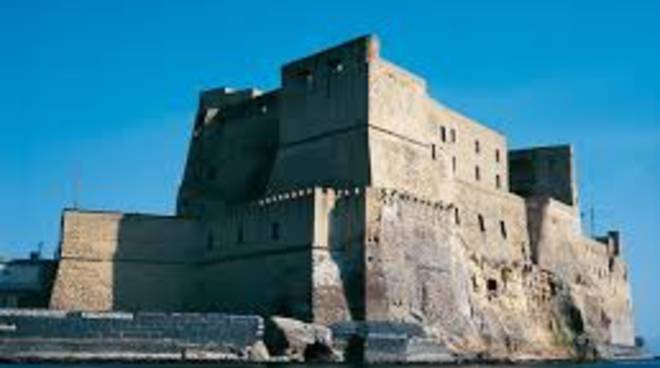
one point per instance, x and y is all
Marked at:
(433, 153)
(498, 181)
(275, 231)
(611, 264)
(457, 216)
(306, 76)
(335, 66)
(482, 224)
(491, 285)
(453, 164)
(477, 173)
(497, 155)
(443, 134)
(553, 288)
(477, 149)
(503, 229)
(239, 235)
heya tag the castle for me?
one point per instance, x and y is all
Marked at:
(349, 194)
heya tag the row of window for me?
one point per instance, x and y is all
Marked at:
(477, 145)
(477, 177)
(240, 238)
(443, 134)
(275, 229)
(477, 149)
(477, 170)
(481, 221)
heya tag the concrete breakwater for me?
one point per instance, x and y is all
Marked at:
(59, 336)
(62, 336)
(51, 335)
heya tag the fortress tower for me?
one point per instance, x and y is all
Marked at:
(349, 194)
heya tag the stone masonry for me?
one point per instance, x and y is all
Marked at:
(347, 195)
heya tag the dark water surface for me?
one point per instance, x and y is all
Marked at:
(636, 364)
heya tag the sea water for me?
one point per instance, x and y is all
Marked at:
(632, 364)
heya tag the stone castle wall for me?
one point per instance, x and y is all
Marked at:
(258, 258)
(416, 222)
(231, 152)
(113, 261)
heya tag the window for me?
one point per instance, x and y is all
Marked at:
(453, 164)
(275, 231)
(433, 151)
(457, 216)
(498, 181)
(477, 148)
(452, 134)
(503, 229)
(497, 155)
(443, 134)
(239, 235)
(482, 224)
(491, 285)
(335, 66)
(477, 173)
(306, 78)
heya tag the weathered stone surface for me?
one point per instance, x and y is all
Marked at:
(300, 341)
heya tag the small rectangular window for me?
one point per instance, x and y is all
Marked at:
(503, 229)
(482, 224)
(453, 164)
(477, 173)
(457, 216)
(477, 148)
(443, 134)
(498, 181)
(497, 155)
(452, 134)
(433, 153)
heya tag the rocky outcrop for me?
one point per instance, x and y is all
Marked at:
(299, 341)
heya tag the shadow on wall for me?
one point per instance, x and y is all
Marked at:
(347, 252)
(536, 212)
(152, 266)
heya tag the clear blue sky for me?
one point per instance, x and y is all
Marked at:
(105, 91)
